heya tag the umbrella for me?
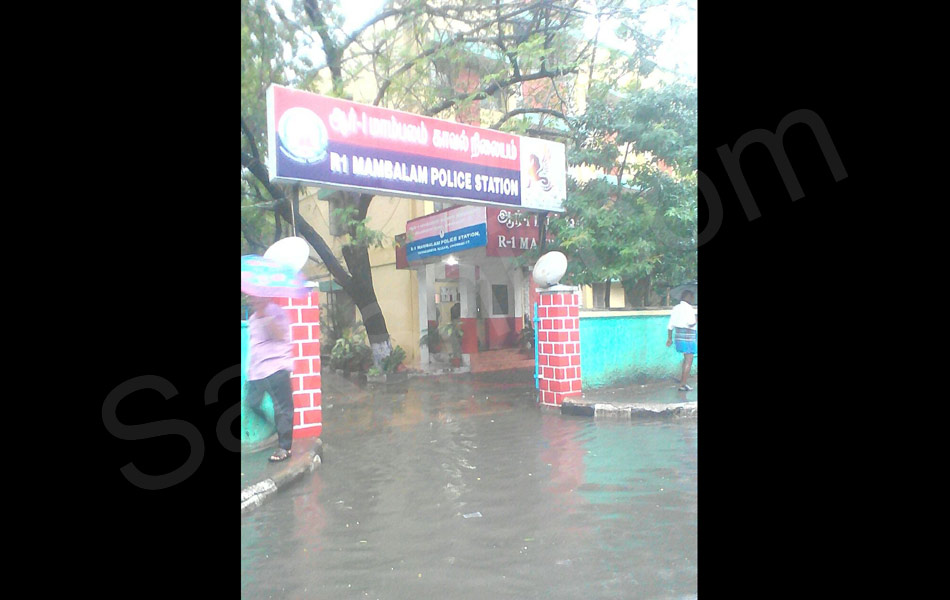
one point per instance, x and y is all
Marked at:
(268, 278)
(691, 286)
(292, 251)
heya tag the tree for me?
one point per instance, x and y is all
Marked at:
(522, 61)
(637, 223)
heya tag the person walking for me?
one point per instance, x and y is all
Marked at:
(270, 363)
(682, 329)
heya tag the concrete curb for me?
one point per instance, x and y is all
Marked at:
(630, 410)
(254, 495)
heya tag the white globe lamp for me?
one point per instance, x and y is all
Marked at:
(549, 269)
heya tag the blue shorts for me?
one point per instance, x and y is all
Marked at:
(685, 340)
(686, 347)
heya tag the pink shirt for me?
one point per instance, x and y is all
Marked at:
(266, 355)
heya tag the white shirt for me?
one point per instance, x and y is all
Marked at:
(683, 315)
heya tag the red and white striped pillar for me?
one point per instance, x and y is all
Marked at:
(559, 344)
(304, 316)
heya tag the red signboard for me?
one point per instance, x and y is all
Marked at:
(346, 145)
(511, 233)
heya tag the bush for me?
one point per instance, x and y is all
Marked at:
(350, 352)
(392, 362)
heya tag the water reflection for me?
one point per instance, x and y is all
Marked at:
(468, 491)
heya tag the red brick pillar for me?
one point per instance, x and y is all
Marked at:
(559, 344)
(304, 316)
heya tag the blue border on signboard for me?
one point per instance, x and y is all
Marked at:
(453, 241)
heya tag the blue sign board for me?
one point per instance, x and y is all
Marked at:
(447, 243)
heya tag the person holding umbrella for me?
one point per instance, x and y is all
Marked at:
(682, 328)
(270, 364)
(270, 350)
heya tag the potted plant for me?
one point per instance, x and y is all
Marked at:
(389, 369)
(391, 363)
(350, 354)
(430, 338)
(451, 334)
(375, 375)
(526, 340)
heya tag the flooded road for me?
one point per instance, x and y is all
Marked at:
(460, 489)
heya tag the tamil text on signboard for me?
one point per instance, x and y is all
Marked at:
(346, 145)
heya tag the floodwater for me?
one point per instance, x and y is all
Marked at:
(460, 489)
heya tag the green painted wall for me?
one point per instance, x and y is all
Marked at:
(253, 428)
(627, 347)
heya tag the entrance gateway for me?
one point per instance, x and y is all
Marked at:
(498, 182)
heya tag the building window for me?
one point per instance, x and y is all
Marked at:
(499, 299)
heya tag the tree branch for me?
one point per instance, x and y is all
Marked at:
(525, 111)
(254, 242)
(283, 208)
(250, 139)
(350, 38)
(330, 49)
(465, 37)
(493, 87)
(411, 63)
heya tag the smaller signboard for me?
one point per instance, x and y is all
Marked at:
(500, 231)
(511, 233)
(446, 232)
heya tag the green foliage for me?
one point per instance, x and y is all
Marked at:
(351, 352)
(360, 233)
(451, 335)
(263, 44)
(391, 363)
(430, 338)
(639, 225)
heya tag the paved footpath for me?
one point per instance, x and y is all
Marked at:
(261, 478)
(635, 401)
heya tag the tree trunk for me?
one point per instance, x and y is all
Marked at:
(607, 293)
(542, 232)
(364, 296)
(628, 293)
(361, 288)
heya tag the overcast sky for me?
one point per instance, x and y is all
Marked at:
(679, 49)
